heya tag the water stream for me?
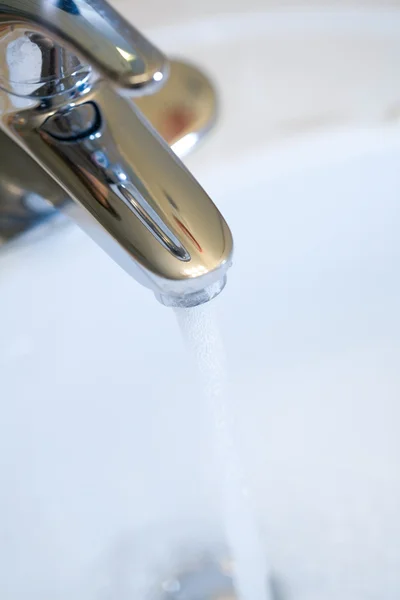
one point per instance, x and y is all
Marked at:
(202, 337)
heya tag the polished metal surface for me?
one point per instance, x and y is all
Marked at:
(60, 71)
(95, 32)
(96, 147)
(184, 110)
(24, 192)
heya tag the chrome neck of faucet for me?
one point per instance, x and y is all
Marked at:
(140, 202)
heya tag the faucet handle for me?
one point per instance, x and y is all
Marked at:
(95, 32)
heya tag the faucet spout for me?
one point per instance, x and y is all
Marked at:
(140, 202)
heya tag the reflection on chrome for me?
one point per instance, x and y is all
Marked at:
(83, 140)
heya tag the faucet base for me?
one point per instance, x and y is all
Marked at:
(182, 111)
(185, 108)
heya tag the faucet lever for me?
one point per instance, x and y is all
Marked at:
(94, 31)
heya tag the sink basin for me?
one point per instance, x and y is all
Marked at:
(104, 441)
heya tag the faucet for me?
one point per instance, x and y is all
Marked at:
(69, 71)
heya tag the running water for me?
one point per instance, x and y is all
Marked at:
(202, 337)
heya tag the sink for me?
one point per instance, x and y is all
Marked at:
(104, 442)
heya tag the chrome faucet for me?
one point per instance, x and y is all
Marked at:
(66, 70)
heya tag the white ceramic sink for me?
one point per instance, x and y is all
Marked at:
(103, 440)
